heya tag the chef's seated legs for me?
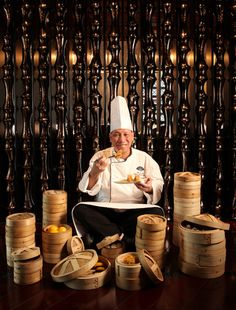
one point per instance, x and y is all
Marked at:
(103, 224)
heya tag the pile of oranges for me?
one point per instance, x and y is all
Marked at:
(55, 229)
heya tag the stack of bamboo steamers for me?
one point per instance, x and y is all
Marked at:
(200, 237)
(55, 232)
(21, 252)
(187, 199)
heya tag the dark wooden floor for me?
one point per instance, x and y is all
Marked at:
(179, 291)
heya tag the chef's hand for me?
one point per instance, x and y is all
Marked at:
(145, 186)
(99, 165)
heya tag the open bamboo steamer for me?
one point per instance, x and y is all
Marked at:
(111, 251)
(80, 271)
(92, 279)
(135, 270)
(19, 233)
(54, 245)
(202, 246)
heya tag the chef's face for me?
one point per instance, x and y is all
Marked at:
(122, 139)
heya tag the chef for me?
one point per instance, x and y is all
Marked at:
(124, 181)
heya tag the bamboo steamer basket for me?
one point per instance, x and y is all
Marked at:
(74, 245)
(92, 279)
(187, 199)
(202, 246)
(151, 222)
(54, 245)
(28, 265)
(151, 235)
(54, 207)
(135, 270)
(111, 251)
(74, 266)
(19, 232)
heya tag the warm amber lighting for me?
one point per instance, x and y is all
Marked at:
(2, 58)
(108, 57)
(72, 58)
(53, 56)
(226, 59)
(18, 54)
(190, 58)
(173, 56)
(36, 58)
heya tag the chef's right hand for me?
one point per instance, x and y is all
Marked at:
(100, 165)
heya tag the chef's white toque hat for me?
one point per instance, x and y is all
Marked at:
(120, 116)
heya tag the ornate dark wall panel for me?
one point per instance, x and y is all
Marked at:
(61, 64)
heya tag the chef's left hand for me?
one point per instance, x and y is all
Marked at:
(145, 186)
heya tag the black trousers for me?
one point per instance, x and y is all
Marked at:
(101, 222)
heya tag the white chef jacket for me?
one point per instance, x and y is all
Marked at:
(108, 187)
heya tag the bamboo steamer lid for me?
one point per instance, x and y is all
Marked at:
(208, 220)
(94, 279)
(20, 219)
(54, 196)
(25, 253)
(75, 245)
(74, 265)
(150, 266)
(187, 176)
(9, 250)
(208, 272)
(151, 222)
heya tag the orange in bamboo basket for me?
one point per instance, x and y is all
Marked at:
(202, 246)
(54, 242)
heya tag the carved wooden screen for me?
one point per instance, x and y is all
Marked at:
(61, 64)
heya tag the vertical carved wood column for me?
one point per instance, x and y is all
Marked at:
(201, 96)
(60, 78)
(26, 99)
(44, 83)
(168, 107)
(219, 108)
(132, 66)
(79, 80)
(184, 79)
(149, 78)
(8, 105)
(95, 74)
(114, 48)
(233, 38)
